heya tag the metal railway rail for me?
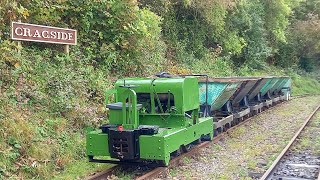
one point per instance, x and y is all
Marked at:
(269, 173)
(162, 170)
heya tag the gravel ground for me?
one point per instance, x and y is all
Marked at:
(247, 152)
(303, 158)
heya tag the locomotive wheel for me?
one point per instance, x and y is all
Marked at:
(207, 137)
(178, 152)
(186, 148)
(160, 163)
(198, 141)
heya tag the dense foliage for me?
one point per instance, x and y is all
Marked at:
(47, 98)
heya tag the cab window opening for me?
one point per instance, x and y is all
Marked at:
(166, 102)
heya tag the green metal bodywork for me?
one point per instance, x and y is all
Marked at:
(286, 87)
(256, 90)
(155, 147)
(181, 96)
(264, 90)
(287, 84)
(218, 92)
(285, 81)
(277, 85)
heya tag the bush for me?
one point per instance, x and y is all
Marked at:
(115, 34)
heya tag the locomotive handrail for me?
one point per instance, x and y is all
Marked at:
(108, 93)
(130, 120)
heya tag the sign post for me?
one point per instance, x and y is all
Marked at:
(19, 44)
(66, 49)
(38, 33)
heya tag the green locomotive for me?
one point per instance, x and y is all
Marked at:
(150, 120)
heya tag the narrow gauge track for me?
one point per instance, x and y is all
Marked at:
(288, 160)
(155, 172)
